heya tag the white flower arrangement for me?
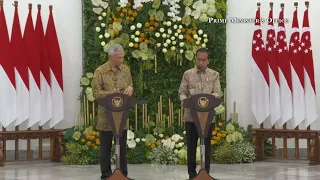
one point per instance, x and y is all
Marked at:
(85, 81)
(173, 7)
(100, 5)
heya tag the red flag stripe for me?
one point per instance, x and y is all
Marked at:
(53, 48)
(260, 58)
(284, 63)
(271, 49)
(41, 45)
(307, 49)
(295, 49)
(31, 50)
(18, 51)
(5, 55)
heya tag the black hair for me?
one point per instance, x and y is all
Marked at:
(203, 50)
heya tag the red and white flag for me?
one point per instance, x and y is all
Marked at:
(260, 75)
(21, 70)
(296, 60)
(46, 102)
(33, 60)
(275, 108)
(8, 100)
(309, 81)
(284, 72)
(55, 59)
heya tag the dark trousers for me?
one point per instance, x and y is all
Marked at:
(105, 153)
(192, 138)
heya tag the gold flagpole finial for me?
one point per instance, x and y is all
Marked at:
(282, 5)
(258, 5)
(271, 5)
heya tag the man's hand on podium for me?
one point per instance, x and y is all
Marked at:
(128, 91)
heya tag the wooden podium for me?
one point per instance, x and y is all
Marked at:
(117, 107)
(202, 111)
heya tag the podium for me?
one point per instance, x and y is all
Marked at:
(117, 107)
(202, 111)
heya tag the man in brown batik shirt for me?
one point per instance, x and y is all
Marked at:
(198, 80)
(111, 77)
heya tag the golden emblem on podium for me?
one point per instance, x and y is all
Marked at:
(203, 102)
(117, 101)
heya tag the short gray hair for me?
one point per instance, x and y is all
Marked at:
(115, 48)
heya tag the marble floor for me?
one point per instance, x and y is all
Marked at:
(259, 170)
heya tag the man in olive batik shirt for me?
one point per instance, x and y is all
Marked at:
(111, 77)
(198, 80)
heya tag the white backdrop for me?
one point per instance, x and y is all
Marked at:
(68, 17)
(68, 22)
(239, 38)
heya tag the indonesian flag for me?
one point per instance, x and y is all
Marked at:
(296, 60)
(275, 108)
(8, 100)
(46, 102)
(34, 71)
(260, 75)
(21, 70)
(284, 73)
(55, 59)
(309, 82)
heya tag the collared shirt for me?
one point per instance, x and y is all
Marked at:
(195, 81)
(104, 81)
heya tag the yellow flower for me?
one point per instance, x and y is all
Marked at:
(214, 132)
(95, 147)
(217, 129)
(223, 135)
(218, 138)
(97, 133)
(97, 141)
(213, 142)
(90, 127)
(219, 134)
(220, 123)
(83, 140)
(152, 146)
(158, 142)
(88, 143)
(148, 143)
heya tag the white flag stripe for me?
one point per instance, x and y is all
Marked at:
(260, 93)
(35, 99)
(46, 102)
(286, 100)
(22, 100)
(298, 100)
(8, 102)
(57, 101)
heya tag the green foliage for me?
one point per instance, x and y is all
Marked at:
(79, 154)
(231, 153)
(245, 152)
(163, 155)
(139, 154)
(225, 154)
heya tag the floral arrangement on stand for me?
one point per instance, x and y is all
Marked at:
(156, 145)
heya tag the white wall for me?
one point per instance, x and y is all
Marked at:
(68, 20)
(239, 38)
